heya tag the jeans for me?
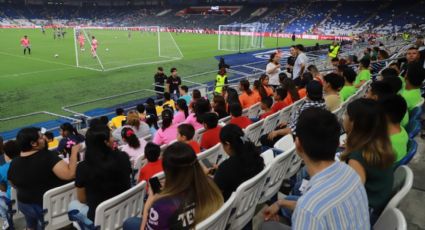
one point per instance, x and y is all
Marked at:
(77, 211)
(33, 215)
(132, 223)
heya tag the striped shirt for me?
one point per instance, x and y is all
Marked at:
(293, 120)
(335, 198)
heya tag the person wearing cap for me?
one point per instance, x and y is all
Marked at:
(159, 80)
(314, 99)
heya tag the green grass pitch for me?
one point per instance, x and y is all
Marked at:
(42, 82)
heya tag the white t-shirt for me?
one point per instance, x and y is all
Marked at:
(301, 59)
(273, 77)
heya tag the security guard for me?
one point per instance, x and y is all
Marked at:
(220, 81)
(334, 50)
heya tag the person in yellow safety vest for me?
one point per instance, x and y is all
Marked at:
(334, 50)
(405, 36)
(220, 81)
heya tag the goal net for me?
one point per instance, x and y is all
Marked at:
(240, 37)
(122, 47)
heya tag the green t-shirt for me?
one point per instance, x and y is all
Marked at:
(412, 97)
(346, 92)
(363, 75)
(379, 183)
(405, 120)
(403, 84)
(399, 143)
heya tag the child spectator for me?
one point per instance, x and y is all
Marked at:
(332, 84)
(414, 77)
(185, 133)
(154, 165)
(305, 79)
(70, 137)
(248, 97)
(348, 89)
(184, 94)
(289, 85)
(152, 121)
(201, 107)
(141, 110)
(266, 106)
(211, 135)
(11, 151)
(219, 106)
(140, 128)
(264, 89)
(116, 122)
(237, 118)
(364, 73)
(133, 145)
(52, 142)
(182, 111)
(196, 95)
(231, 97)
(168, 132)
(168, 101)
(279, 97)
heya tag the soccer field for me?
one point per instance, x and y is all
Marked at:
(43, 82)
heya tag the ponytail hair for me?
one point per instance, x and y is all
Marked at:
(69, 128)
(245, 86)
(128, 135)
(181, 103)
(167, 118)
(242, 148)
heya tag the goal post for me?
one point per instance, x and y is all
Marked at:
(123, 47)
(241, 37)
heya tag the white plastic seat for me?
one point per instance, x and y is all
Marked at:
(245, 112)
(140, 162)
(270, 123)
(254, 110)
(253, 131)
(198, 135)
(14, 200)
(225, 120)
(55, 206)
(111, 213)
(284, 144)
(285, 114)
(247, 197)
(218, 220)
(268, 156)
(391, 219)
(211, 154)
(148, 138)
(278, 169)
(403, 182)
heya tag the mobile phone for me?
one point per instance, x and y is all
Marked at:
(155, 185)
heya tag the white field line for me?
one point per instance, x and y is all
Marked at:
(33, 72)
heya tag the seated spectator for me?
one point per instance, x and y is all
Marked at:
(168, 132)
(11, 151)
(201, 107)
(332, 84)
(364, 73)
(36, 171)
(279, 99)
(266, 106)
(168, 101)
(389, 74)
(237, 118)
(140, 128)
(152, 122)
(184, 94)
(289, 85)
(378, 90)
(211, 136)
(395, 108)
(243, 163)
(395, 66)
(264, 89)
(103, 174)
(154, 165)
(117, 121)
(316, 143)
(414, 77)
(187, 192)
(247, 97)
(314, 99)
(231, 97)
(141, 110)
(219, 106)
(151, 108)
(196, 95)
(185, 134)
(182, 111)
(133, 145)
(335, 62)
(305, 79)
(348, 89)
(369, 152)
(70, 137)
(315, 73)
(52, 142)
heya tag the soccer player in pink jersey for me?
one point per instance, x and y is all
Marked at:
(25, 42)
(93, 46)
(81, 40)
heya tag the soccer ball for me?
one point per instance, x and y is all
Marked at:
(107, 49)
(56, 55)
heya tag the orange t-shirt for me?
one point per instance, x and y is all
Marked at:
(249, 100)
(269, 90)
(278, 105)
(195, 146)
(302, 92)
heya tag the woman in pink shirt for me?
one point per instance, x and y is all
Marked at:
(168, 132)
(134, 146)
(201, 107)
(182, 112)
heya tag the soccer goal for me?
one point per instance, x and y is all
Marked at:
(241, 37)
(122, 47)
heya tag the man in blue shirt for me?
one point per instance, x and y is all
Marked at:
(185, 95)
(334, 198)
